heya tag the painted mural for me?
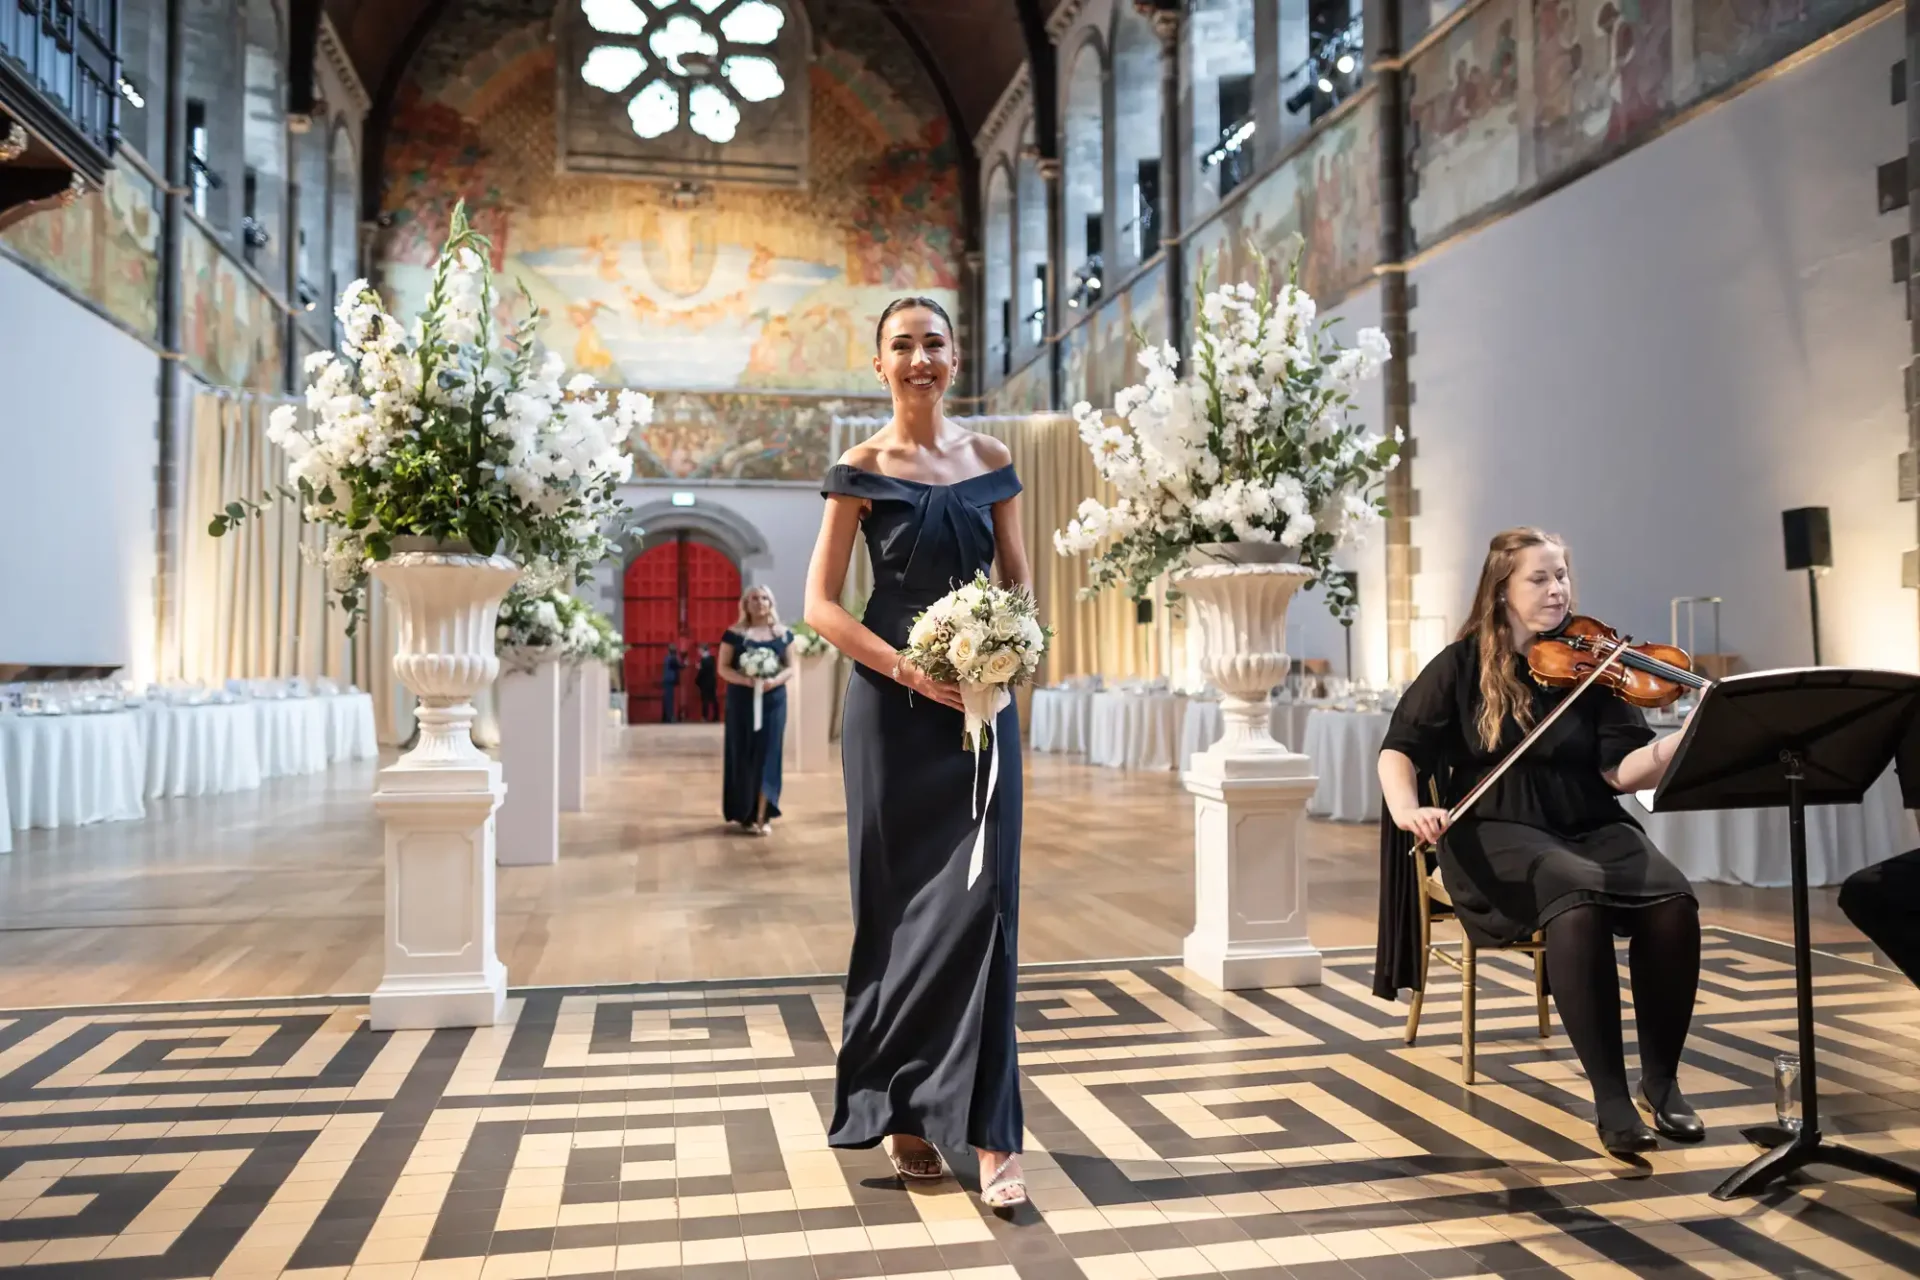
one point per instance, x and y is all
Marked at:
(1464, 111)
(104, 246)
(1493, 120)
(232, 333)
(729, 289)
(743, 436)
(1328, 194)
(1028, 389)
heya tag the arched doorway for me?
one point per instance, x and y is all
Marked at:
(679, 588)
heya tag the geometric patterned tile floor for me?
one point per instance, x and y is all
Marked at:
(1174, 1130)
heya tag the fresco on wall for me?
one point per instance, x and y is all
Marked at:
(1328, 193)
(231, 332)
(738, 436)
(729, 289)
(104, 246)
(1602, 73)
(1028, 390)
(1076, 348)
(1464, 110)
(1492, 121)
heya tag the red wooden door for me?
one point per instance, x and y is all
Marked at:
(680, 590)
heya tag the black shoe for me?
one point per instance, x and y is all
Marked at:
(1628, 1142)
(1672, 1117)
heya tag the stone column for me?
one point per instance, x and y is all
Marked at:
(1168, 16)
(1396, 302)
(1050, 172)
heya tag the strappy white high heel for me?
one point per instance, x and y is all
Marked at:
(923, 1165)
(1007, 1188)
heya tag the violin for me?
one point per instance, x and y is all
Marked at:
(1646, 675)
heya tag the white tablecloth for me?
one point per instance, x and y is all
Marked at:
(1136, 730)
(1345, 749)
(293, 735)
(1749, 846)
(6, 812)
(350, 734)
(199, 751)
(1061, 720)
(64, 771)
(1205, 722)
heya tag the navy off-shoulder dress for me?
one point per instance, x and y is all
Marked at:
(928, 1047)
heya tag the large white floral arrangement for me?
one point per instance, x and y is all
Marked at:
(608, 644)
(444, 431)
(542, 621)
(1254, 445)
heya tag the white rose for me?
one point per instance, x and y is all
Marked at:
(1031, 636)
(964, 650)
(1001, 666)
(923, 630)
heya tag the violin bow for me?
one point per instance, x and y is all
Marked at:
(1533, 735)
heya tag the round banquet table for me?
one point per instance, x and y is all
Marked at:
(1135, 730)
(1061, 720)
(1345, 747)
(1749, 846)
(293, 736)
(202, 750)
(350, 734)
(69, 770)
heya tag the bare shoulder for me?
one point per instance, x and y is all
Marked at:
(993, 454)
(865, 456)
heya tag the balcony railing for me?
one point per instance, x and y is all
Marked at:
(58, 72)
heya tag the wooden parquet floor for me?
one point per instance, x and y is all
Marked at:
(278, 892)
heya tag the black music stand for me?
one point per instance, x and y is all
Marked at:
(1795, 738)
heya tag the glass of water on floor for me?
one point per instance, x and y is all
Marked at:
(1786, 1091)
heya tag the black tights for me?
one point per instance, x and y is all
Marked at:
(1664, 958)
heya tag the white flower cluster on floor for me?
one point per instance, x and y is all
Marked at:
(1253, 446)
(443, 431)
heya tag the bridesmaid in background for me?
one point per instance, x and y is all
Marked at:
(750, 790)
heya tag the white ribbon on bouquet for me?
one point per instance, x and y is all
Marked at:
(759, 696)
(983, 704)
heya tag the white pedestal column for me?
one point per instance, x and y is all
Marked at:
(573, 739)
(593, 713)
(1250, 792)
(438, 800)
(810, 716)
(529, 822)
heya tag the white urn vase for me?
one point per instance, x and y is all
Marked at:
(1250, 792)
(446, 598)
(438, 801)
(1239, 593)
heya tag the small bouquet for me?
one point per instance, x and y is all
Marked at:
(808, 643)
(763, 665)
(986, 639)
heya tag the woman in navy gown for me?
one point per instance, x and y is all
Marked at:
(927, 1056)
(750, 788)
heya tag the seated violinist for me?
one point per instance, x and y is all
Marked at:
(1548, 846)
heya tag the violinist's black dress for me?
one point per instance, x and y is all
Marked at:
(1550, 835)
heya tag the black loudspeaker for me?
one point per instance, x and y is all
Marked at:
(1809, 540)
(1143, 612)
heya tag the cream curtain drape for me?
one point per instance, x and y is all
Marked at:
(252, 605)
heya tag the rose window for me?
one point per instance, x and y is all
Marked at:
(689, 64)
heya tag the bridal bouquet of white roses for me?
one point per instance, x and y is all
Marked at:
(986, 639)
(761, 665)
(1253, 446)
(441, 431)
